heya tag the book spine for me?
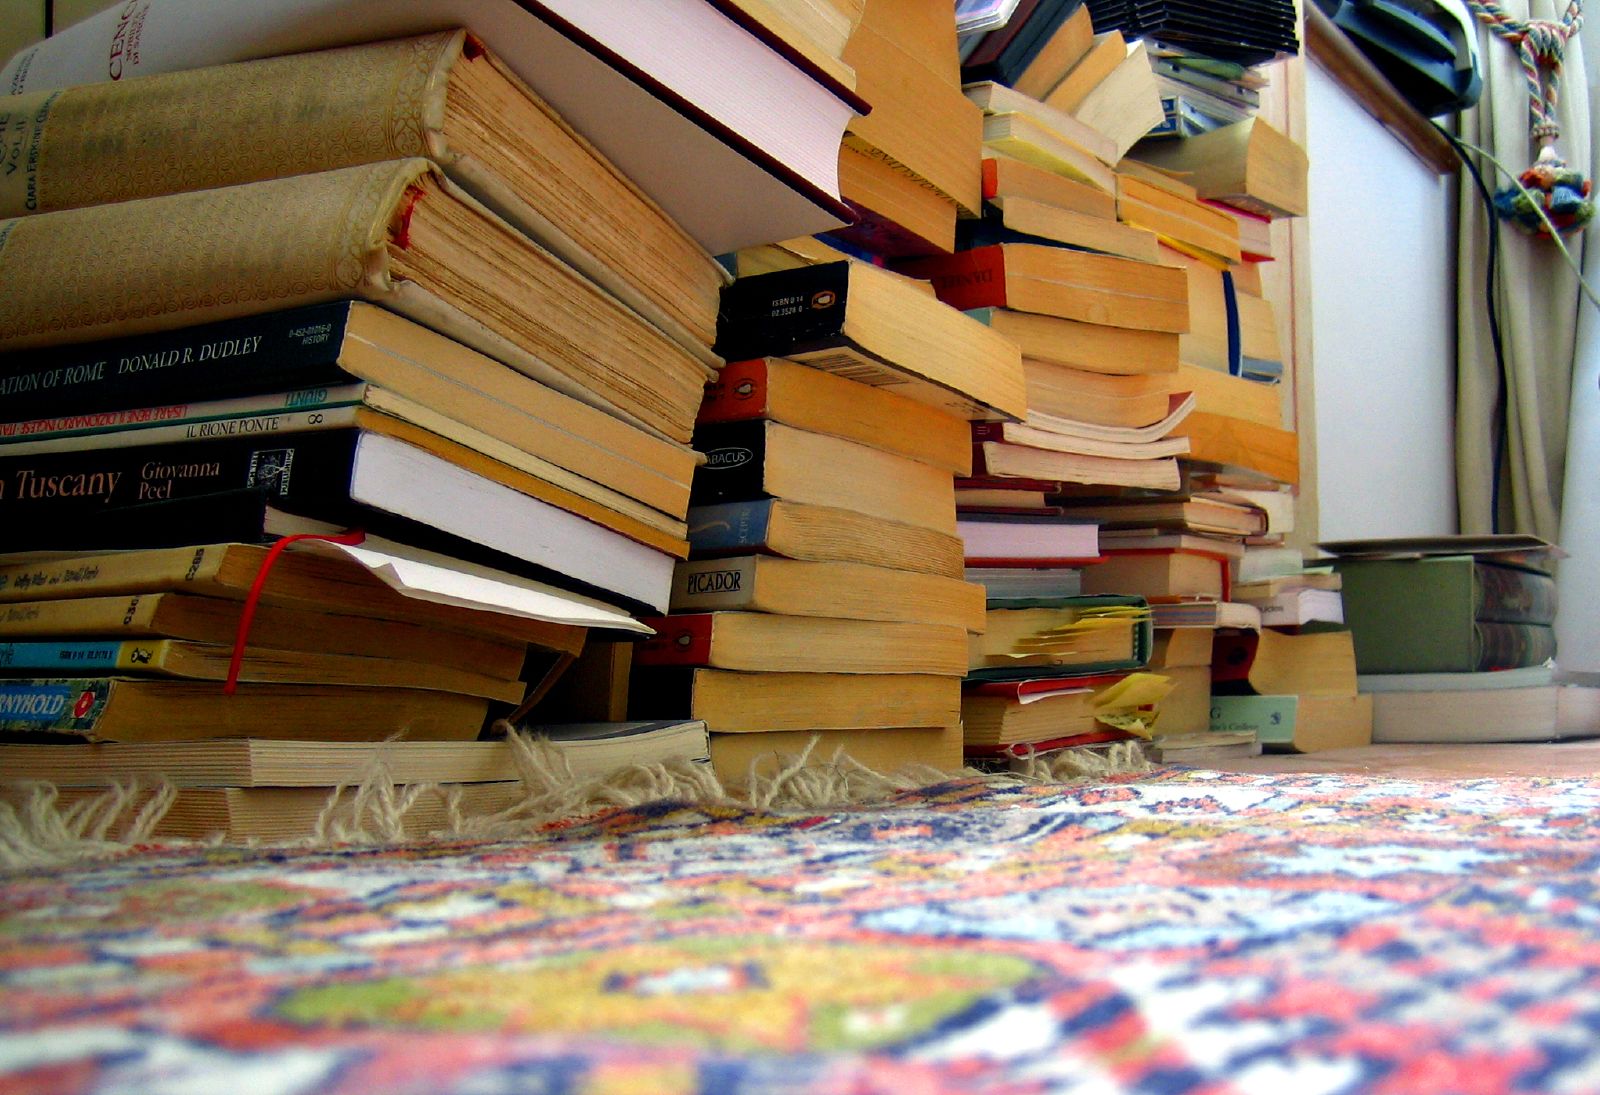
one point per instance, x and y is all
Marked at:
(43, 579)
(203, 428)
(53, 706)
(708, 585)
(1513, 596)
(740, 391)
(731, 528)
(92, 145)
(134, 419)
(1235, 334)
(328, 241)
(278, 351)
(966, 279)
(734, 470)
(678, 640)
(799, 309)
(306, 471)
(77, 657)
(990, 180)
(1511, 646)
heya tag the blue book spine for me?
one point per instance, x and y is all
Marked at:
(60, 705)
(91, 656)
(729, 528)
(1235, 337)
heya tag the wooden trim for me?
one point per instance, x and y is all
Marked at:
(1336, 55)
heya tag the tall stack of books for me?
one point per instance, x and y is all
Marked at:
(1246, 176)
(824, 592)
(418, 309)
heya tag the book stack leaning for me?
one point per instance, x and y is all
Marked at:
(435, 321)
(824, 592)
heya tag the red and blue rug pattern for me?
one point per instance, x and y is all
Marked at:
(1186, 932)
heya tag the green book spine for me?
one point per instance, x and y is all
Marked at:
(1447, 614)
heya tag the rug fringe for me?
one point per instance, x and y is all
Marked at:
(38, 830)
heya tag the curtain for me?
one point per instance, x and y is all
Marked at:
(1511, 425)
(1578, 578)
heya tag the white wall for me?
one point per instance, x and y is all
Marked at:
(1382, 227)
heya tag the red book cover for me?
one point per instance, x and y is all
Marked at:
(1232, 654)
(1023, 749)
(1235, 211)
(1035, 686)
(737, 393)
(679, 640)
(966, 279)
(1031, 562)
(991, 179)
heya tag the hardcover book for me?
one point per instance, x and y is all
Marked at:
(322, 346)
(442, 96)
(397, 233)
(634, 79)
(348, 478)
(1447, 614)
(375, 411)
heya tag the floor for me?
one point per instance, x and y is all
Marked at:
(1553, 758)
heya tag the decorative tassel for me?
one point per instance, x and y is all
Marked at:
(1549, 184)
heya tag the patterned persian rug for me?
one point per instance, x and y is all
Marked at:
(1178, 932)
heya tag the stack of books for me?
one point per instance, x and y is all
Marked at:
(1248, 31)
(1294, 689)
(1052, 673)
(180, 664)
(907, 168)
(273, 789)
(468, 341)
(824, 593)
(1454, 639)
(1200, 93)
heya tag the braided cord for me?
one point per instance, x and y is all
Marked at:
(1541, 47)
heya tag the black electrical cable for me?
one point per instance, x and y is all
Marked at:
(1502, 438)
